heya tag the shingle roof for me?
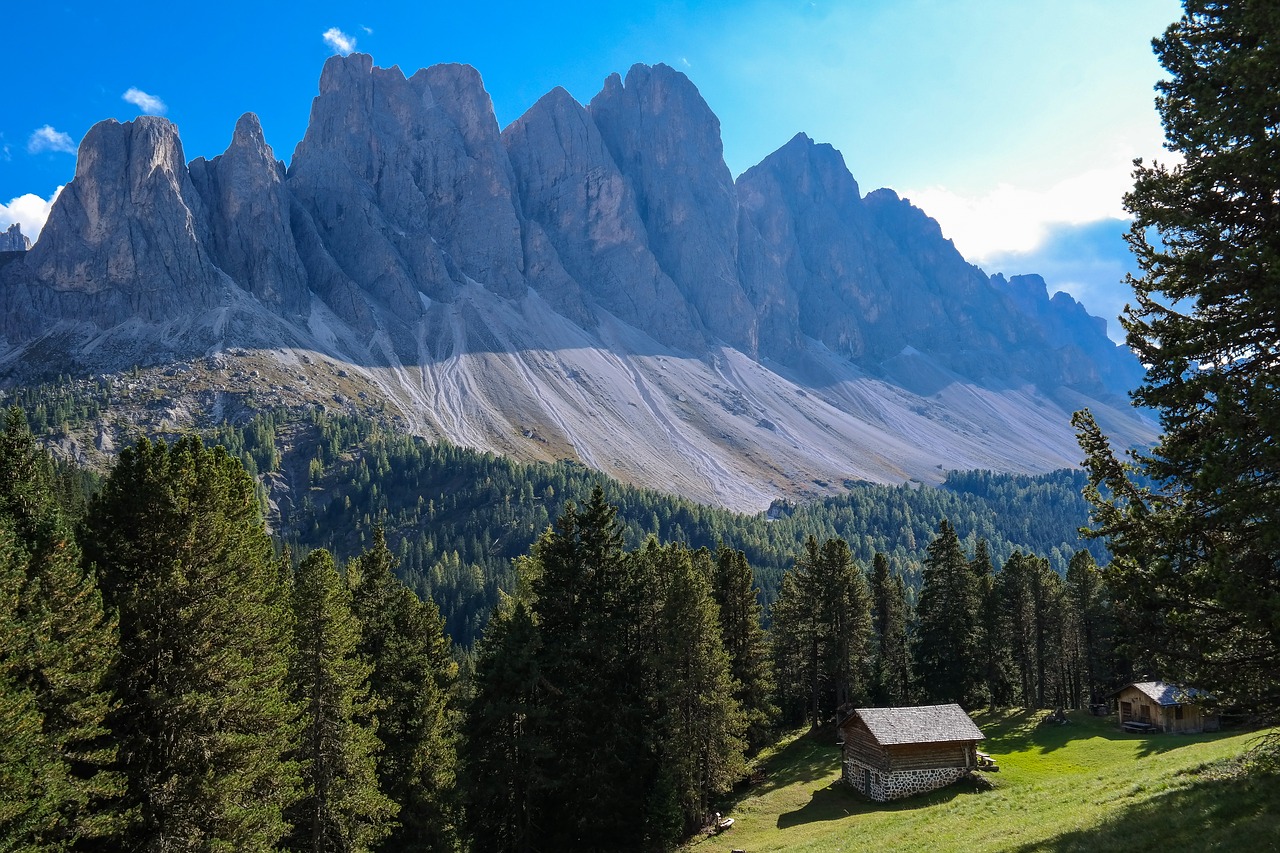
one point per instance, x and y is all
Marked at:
(924, 724)
(1164, 693)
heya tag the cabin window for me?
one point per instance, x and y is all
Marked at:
(1177, 712)
(1126, 711)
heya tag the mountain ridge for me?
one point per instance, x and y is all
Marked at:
(588, 282)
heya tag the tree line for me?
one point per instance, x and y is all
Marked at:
(172, 679)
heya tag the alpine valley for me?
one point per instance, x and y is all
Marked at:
(588, 283)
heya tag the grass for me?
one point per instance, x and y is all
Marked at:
(1085, 786)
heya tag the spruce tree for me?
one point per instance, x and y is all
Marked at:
(745, 640)
(28, 814)
(1094, 625)
(700, 722)
(341, 809)
(596, 614)
(1195, 561)
(947, 632)
(411, 680)
(62, 645)
(204, 723)
(993, 664)
(504, 751)
(891, 671)
(822, 631)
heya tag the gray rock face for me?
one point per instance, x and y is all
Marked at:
(126, 237)
(666, 141)
(13, 240)
(570, 187)
(247, 203)
(582, 272)
(407, 183)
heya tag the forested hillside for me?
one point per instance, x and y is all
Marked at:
(456, 518)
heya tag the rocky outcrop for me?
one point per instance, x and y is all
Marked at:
(13, 240)
(124, 241)
(572, 191)
(247, 204)
(666, 141)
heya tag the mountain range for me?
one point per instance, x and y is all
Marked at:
(589, 282)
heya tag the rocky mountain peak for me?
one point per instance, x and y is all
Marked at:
(666, 142)
(588, 283)
(13, 240)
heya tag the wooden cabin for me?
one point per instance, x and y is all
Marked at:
(890, 753)
(1164, 707)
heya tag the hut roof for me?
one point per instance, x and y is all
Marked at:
(1164, 693)
(924, 724)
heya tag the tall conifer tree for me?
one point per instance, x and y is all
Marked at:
(342, 809)
(700, 722)
(947, 632)
(504, 753)
(204, 723)
(61, 646)
(597, 618)
(891, 678)
(746, 642)
(411, 679)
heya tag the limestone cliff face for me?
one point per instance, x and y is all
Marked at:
(407, 183)
(250, 237)
(127, 236)
(666, 142)
(572, 190)
(13, 240)
(590, 279)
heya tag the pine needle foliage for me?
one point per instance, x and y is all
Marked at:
(204, 723)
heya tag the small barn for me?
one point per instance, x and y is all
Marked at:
(890, 753)
(1165, 707)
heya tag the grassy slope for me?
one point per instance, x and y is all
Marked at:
(1084, 786)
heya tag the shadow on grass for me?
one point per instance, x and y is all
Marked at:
(1025, 731)
(805, 759)
(1209, 812)
(838, 800)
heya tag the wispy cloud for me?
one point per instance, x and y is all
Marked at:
(149, 104)
(30, 211)
(367, 30)
(48, 139)
(1018, 218)
(339, 41)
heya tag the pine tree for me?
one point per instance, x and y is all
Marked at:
(701, 724)
(505, 752)
(1195, 562)
(596, 615)
(341, 809)
(746, 642)
(204, 723)
(413, 673)
(891, 680)
(993, 663)
(947, 615)
(62, 644)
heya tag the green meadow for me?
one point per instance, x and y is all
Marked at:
(1083, 786)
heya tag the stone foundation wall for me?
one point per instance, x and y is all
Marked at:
(881, 787)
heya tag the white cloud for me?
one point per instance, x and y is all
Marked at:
(1018, 218)
(368, 30)
(30, 211)
(149, 104)
(339, 41)
(48, 139)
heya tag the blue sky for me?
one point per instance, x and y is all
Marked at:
(1013, 123)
